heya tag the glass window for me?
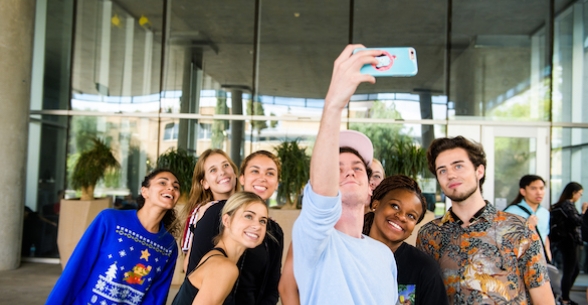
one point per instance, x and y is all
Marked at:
(570, 64)
(52, 55)
(117, 57)
(569, 149)
(499, 64)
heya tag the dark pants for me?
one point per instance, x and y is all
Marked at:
(569, 254)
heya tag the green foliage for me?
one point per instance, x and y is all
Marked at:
(256, 108)
(182, 164)
(513, 158)
(219, 127)
(273, 124)
(84, 130)
(405, 157)
(92, 164)
(295, 171)
(396, 151)
(112, 178)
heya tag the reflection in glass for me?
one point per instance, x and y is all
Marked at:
(569, 64)
(133, 142)
(499, 69)
(514, 158)
(116, 60)
(569, 152)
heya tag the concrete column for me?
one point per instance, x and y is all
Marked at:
(186, 98)
(16, 50)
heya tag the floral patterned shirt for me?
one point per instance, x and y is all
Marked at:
(494, 260)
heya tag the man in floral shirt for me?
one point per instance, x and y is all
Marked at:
(486, 256)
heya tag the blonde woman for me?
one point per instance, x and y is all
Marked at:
(260, 266)
(214, 179)
(243, 226)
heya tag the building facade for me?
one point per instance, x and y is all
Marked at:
(151, 75)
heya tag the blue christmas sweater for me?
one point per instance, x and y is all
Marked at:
(118, 261)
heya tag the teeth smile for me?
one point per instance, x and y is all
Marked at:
(395, 225)
(252, 235)
(168, 196)
(259, 188)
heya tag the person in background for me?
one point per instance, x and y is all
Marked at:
(126, 256)
(378, 174)
(565, 235)
(399, 205)
(486, 256)
(243, 226)
(334, 263)
(261, 266)
(527, 204)
(376, 178)
(214, 179)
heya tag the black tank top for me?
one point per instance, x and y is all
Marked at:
(187, 291)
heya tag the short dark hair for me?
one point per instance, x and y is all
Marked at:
(525, 181)
(474, 150)
(347, 149)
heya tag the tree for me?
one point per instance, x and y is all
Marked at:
(256, 108)
(218, 127)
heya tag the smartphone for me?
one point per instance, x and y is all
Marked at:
(399, 62)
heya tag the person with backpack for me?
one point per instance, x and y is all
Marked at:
(527, 204)
(565, 235)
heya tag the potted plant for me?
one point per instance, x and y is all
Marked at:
(295, 172)
(76, 215)
(182, 164)
(91, 167)
(403, 156)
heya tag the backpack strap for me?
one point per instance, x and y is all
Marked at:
(524, 209)
(536, 230)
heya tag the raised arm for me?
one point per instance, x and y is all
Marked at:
(324, 174)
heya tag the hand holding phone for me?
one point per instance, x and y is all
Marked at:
(395, 62)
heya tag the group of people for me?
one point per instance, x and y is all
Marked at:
(348, 244)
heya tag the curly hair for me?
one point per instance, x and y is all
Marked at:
(474, 150)
(403, 182)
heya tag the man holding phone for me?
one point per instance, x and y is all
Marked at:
(334, 263)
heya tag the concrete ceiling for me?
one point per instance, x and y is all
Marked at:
(299, 40)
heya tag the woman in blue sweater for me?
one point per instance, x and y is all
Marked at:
(126, 256)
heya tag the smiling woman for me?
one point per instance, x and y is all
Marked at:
(399, 205)
(260, 266)
(131, 253)
(243, 226)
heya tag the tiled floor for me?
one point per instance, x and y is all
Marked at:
(32, 282)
